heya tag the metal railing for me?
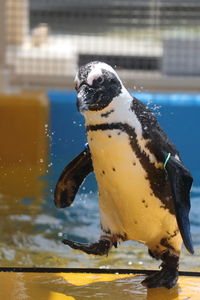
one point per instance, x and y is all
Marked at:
(43, 42)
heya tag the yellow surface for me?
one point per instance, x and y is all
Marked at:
(43, 286)
(23, 151)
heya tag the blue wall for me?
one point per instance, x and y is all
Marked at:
(178, 114)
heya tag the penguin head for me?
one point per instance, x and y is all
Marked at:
(97, 84)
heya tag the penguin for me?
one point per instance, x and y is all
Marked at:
(144, 188)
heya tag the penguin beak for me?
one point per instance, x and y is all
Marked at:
(85, 97)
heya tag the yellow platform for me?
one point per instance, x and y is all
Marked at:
(69, 286)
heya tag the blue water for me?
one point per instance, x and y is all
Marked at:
(178, 114)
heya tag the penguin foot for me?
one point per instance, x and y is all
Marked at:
(101, 247)
(165, 278)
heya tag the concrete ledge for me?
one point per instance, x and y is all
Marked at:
(133, 80)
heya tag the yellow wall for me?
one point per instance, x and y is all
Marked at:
(23, 143)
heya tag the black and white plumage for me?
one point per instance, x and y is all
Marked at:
(139, 198)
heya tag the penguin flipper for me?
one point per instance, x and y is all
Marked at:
(181, 182)
(71, 178)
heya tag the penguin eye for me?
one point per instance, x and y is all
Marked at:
(100, 80)
(113, 81)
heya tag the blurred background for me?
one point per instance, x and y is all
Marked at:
(155, 47)
(149, 41)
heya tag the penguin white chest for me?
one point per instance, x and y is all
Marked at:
(128, 207)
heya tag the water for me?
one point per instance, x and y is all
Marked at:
(31, 227)
(18, 286)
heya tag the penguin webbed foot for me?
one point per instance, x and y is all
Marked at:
(101, 247)
(167, 277)
(164, 278)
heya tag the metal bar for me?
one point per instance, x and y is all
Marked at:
(89, 270)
